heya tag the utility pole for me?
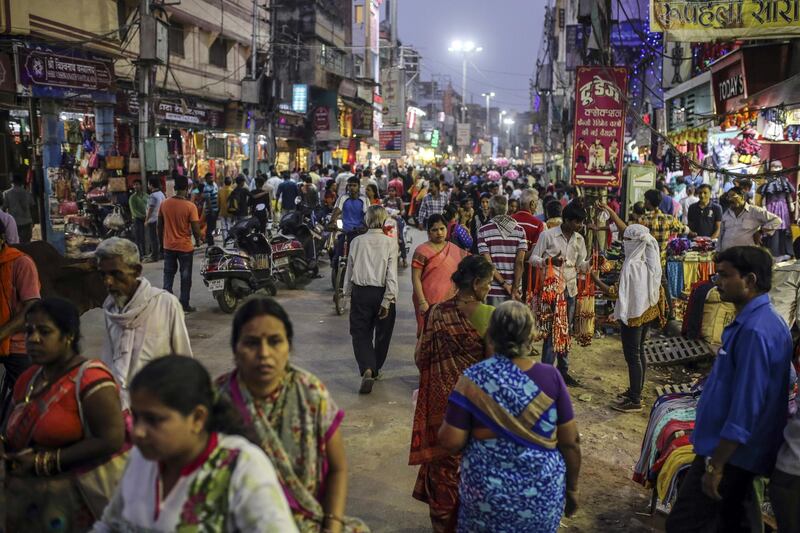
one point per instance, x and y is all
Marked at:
(548, 149)
(272, 143)
(488, 96)
(464, 89)
(144, 69)
(252, 130)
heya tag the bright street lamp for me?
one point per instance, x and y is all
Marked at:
(488, 97)
(464, 48)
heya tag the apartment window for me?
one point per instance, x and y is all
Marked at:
(176, 39)
(218, 53)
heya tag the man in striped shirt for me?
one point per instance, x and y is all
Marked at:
(502, 241)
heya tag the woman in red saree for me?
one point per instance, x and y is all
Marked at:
(451, 342)
(432, 267)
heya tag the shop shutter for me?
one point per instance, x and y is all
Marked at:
(215, 147)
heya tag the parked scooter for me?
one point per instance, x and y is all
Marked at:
(295, 247)
(232, 274)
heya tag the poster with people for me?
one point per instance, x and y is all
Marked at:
(599, 126)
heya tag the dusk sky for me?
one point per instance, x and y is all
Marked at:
(508, 30)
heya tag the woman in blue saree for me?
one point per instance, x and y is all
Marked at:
(513, 419)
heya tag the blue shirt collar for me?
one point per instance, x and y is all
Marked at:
(751, 307)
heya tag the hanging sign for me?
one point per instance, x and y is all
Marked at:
(599, 126)
(391, 142)
(690, 20)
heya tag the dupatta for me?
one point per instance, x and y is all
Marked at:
(508, 402)
(448, 346)
(294, 434)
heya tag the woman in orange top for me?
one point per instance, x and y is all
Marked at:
(66, 419)
(372, 194)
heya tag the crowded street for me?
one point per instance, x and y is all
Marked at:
(353, 266)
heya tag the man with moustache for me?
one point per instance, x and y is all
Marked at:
(142, 322)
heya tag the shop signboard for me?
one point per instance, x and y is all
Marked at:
(574, 43)
(598, 137)
(322, 119)
(300, 98)
(182, 112)
(391, 142)
(690, 20)
(7, 79)
(463, 136)
(362, 121)
(60, 74)
(639, 179)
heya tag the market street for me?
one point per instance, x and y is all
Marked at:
(377, 427)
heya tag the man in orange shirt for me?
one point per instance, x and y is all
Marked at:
(177, 221)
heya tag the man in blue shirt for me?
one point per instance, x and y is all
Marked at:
(743, 408)
(351, 208)
(287, 192)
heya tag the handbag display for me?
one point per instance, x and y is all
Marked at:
(115, 162)
(114, 220)
(134, 164)
(117, 185)
(67, 208)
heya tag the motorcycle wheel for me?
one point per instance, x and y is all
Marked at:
(338, 292)
(227, 299)
(334, 270)
(289, 279)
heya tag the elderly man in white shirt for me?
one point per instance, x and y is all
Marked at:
(743, 224)
(142, 321)
(371, 282)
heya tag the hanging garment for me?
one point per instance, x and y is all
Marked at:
(675, 281)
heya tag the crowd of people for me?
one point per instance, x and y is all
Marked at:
(494, 432)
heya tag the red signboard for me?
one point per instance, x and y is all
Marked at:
(322, 119)
(597, 146)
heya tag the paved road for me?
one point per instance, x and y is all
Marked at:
(376, 427)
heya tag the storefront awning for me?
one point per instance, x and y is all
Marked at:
(786, 92)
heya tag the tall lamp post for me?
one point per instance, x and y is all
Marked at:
(508, 122)
(465, 48)
(488, 97)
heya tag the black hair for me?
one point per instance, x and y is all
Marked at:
(436, 218)
(553, 208)
(749, 260)
(208, 175)
(353, 179)
(154, 182)
(373, 188)
(638, 209)
(255, 307)
(181, 183)
(449, 213)
(63, 314)
(137, 180)
(434, 182)
(470, 269)
(227, 180)
(704, 186)
(653, 197)
(240, 179)
(17, 179)
(260, 182)
(736, 190)
(2, 229)
(181, 383)
(574, 211)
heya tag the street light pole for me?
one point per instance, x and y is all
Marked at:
(464, 48)
(488, 97)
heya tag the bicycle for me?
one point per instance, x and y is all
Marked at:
(338, 285)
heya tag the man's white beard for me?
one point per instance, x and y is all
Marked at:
(120, 300)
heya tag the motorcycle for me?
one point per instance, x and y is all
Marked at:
(295, 247)
(232, 274)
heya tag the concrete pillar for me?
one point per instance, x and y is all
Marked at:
(52, 137)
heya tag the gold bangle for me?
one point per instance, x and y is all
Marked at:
(36, 460)
(58, 460)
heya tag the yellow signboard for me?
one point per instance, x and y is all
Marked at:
(690, 20)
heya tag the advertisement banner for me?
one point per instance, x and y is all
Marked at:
(599, 126)
(574, 43)
(391, 142)
(463, 137)
(690, 20)
(676, 66)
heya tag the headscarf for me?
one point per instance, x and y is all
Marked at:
(640, 277)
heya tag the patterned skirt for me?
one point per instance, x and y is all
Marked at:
(506, 487)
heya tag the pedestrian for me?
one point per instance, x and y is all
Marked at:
(382, 182)
(222, 201)
(20, 204)
(566, 248)
(65, 425)
(432, 268)
(259, 204)
(154, 201)
(662, 225)
(398, 185)
(502, 242)
(371, 192)
(687, 202)
(142, 322)
(640, 302)
(342, 179)
(287, 192)
(452, 340)
(190, 465)
(742, 410)
(432, 204)
(703, 217)
(744, 224)
(352, 207)
(482, 217)
(211, 207)
(273, 182)
(512, 419)
(249, 181)
(533, 227)
(137, 202)
(371, 282)
(275, 399)
(12, 235)
(310, 194)
(21, 289)
(513, 207)
(458, 230)
(239, 201)
(178, 221)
